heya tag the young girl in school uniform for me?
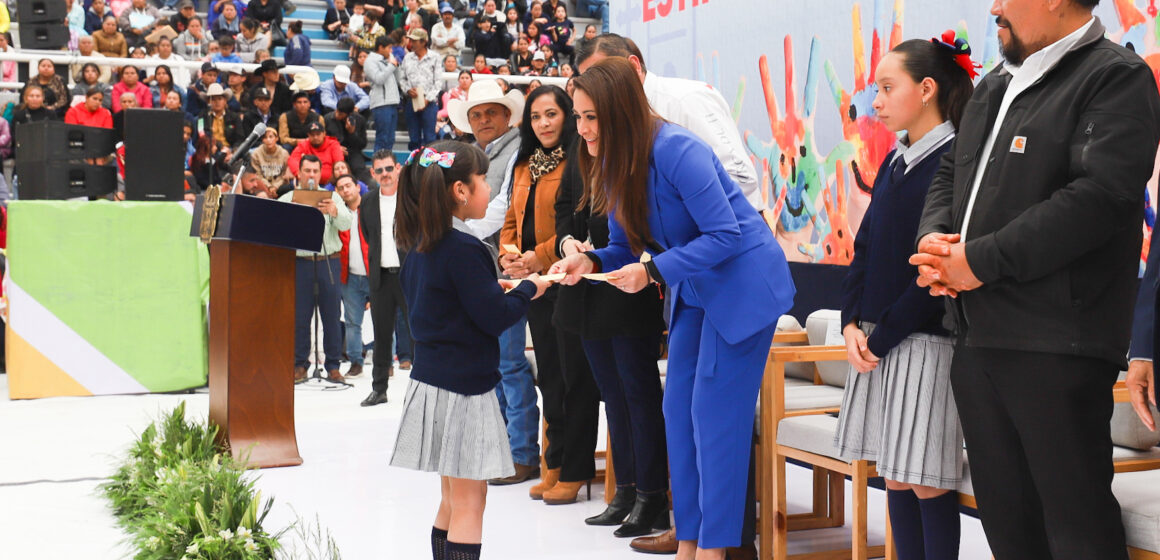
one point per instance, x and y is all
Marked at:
(898, 409)
(451, 422)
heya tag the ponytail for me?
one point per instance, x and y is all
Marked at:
(425, 204)
(948, 64)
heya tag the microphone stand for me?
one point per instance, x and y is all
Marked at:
(318, 381)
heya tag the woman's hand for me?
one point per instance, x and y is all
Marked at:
(574, 246)
(572, 267)
(856, 350)
(531, 262)
(511, 265)
(630, 279)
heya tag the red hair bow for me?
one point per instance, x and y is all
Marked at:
(960, 50)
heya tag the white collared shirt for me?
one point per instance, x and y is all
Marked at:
(701, 109)
(357, 266)
(389, 258)
(918, 151)
(1022, 77)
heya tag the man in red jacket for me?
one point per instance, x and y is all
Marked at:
(90, 113)
(355, 289)
(326, 148)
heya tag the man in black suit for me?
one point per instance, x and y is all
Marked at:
(1032, 227)
(376, 226)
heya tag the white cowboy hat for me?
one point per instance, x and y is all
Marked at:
(481, 93)
(305, 81)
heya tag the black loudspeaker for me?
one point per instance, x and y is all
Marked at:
(53, 140)
(43, 36)
(40, 11)
(60, 180)
(42, 24)
(154, 150)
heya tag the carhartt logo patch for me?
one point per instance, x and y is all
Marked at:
(1018, 144)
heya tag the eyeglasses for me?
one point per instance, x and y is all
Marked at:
(387, 169)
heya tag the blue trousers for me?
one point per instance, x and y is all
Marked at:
(421, 125)
(517, 395)
(355, 295)
(324, 276)
(625, 370)
(386, 122)
(710, 395)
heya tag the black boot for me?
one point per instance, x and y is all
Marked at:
(650, 512)
(618, 509)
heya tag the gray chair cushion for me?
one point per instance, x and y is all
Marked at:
(797, 370)
(800, 397)
(1128, 431)
(818, 325)
(1139, 497)
(813, 433)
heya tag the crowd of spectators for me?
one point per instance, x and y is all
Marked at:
(399, 51)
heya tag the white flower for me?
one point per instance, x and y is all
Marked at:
(226, 534)
(250, 546)
(244, 533)
(191, 549)
(153, 542)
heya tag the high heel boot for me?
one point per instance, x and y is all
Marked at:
(547, 482)
(650, 512)
(566, 492)
(617, 510)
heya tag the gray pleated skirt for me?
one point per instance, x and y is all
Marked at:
(461, 436)
(902, 414)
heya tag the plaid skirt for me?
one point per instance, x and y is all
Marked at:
(902, 414)
(461, 436)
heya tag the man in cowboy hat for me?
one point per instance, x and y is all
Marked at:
(419, 81)
(492, 117)
(218, 120)
(272, 81)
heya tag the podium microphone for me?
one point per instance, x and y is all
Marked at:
(311, 185)
(244, 147)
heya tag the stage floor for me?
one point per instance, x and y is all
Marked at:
(56, 452)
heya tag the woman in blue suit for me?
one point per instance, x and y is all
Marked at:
(667, 195)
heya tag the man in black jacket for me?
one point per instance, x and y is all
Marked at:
(1032, 227)
(350, 129)
(376, 226)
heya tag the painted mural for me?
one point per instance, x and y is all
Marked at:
(818, 155)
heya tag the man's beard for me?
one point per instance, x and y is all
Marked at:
(1014, 51)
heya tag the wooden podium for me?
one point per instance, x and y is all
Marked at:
(251, 321)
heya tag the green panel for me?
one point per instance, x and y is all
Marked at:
(125, 276)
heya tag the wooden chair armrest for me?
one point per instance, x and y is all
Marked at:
(791, 337)
(1120, 392)
(786, 354)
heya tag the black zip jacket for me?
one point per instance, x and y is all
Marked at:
(1056, 229)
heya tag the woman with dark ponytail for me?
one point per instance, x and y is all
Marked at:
(898, 409)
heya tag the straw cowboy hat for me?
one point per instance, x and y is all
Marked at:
(306, 81)
(481, 93)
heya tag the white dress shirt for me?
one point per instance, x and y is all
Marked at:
(1022, 77)
(390, 252)
(701, 109)
(931, 141)
(357, 266)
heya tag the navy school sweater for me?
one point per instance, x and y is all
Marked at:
(457, 312)
(880, 286)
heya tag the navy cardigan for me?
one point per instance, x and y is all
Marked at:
(880, 286)
(457, 312)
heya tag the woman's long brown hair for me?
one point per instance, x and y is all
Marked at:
(618, 175)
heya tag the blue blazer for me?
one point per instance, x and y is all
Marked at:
(715, 243)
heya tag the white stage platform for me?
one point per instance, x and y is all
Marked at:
(56, 451)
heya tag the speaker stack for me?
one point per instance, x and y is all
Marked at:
(50, 161)
(42, 24)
